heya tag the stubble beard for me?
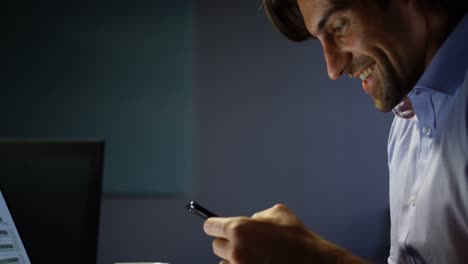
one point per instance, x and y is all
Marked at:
(390, 89)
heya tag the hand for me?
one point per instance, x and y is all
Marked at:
(275, 235)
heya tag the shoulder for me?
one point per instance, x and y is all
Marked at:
(464, 91)
(455, 132)
(465, 80)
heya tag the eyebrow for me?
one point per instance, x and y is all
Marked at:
(326, 16)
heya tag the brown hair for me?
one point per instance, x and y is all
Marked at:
(287, 17)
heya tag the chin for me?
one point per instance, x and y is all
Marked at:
(383, 106)
(388, 102)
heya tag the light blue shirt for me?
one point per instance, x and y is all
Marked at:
(428, 162)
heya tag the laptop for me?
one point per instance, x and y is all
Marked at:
(12, 249)
(53, 190)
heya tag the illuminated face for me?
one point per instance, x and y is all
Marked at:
(384, 47)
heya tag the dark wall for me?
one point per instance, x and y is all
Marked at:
(113, 69)
(269, 127)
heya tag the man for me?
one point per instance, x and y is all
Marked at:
(411, 57)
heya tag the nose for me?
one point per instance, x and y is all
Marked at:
(337, 59)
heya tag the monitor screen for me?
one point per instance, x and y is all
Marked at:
(11, 247)
(54, 191)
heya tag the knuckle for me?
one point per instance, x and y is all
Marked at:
(236, 228)
(228, 227)
(280, 207)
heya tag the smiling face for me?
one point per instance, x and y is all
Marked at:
(384, 47)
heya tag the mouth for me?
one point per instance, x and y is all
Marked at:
(366, 77)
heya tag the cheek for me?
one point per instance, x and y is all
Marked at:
(354, 42)
(361, 46)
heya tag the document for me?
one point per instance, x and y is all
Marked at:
(12, 250)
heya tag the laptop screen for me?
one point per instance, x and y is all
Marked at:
(11, 247)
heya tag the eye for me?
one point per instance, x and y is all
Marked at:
(340, 26)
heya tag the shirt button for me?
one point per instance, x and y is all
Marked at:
(413, 200)
(427, 131)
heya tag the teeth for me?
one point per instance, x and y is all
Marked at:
(365, 74)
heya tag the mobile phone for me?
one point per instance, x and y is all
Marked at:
(199, 210)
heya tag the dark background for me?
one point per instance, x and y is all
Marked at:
(268, 126)
(119, 70)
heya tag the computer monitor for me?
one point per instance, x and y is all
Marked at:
(54, 192)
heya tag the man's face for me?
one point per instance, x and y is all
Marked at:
(381, 46)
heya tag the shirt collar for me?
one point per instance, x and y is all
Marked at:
(447, 69)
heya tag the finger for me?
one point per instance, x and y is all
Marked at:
(278, 214)
(272, 212)
(214, 226)
(220, 226)
(221, 247)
